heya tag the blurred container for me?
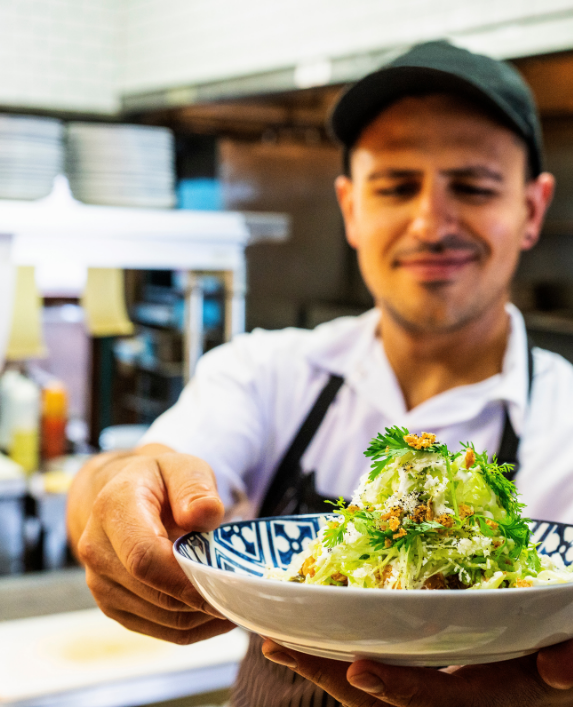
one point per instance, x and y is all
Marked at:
(8, 383)
(201, 194)
(54, 419)
(25, 424)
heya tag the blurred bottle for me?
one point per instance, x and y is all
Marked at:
(23, 447)
(54, 419)
(8, 381)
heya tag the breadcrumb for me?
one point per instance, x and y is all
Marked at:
(307, 568)
(446, 520)
(465, 511)
(423, 442)
(470, 458)
(393, 523)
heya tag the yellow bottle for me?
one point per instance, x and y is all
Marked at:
(25, 425)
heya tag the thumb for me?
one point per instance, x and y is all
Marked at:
(555, 665)
(192, 490)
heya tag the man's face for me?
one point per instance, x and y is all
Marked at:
(438, 209)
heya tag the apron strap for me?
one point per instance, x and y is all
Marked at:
(289, 468)
(509, 440)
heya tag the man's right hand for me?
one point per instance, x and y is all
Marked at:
(124, 512)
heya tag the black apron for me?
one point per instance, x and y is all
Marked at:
(293, 492)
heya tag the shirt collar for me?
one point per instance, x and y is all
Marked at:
(352, 350)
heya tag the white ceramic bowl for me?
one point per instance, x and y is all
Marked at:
(399, 627)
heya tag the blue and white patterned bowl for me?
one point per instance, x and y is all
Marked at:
(404, 628)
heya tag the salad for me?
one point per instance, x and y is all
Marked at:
(425, 518)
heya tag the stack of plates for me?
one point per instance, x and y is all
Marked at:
(121, 165)
(31, 152)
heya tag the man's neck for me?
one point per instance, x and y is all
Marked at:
(427, 364)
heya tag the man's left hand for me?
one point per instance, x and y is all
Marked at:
(544, 679)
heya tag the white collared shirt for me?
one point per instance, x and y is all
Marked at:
(249, 397)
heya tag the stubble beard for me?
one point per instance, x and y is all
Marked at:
(440, 316)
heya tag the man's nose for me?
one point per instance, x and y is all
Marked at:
(433, 214)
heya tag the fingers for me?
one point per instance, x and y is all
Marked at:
(125, 541)
(192, 490)
(213, 627)
(114, 599)
(369, 684)
(503, 684)
(128, 554)
(330, 675)
(555, 665)
(125, 538)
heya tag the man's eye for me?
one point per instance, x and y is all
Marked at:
(473, 190)
(399, 190)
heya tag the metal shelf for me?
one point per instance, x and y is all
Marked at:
(61, 229)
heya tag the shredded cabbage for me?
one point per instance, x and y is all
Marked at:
(424, 518)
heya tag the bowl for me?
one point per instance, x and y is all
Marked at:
(415, 627)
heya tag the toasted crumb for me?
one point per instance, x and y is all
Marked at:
(339, 577)
(470, 458)
(492, 523)
(399, 534)
(384, 576)
(394, 523)
(436, 581)
(446, 520)
(307, 567)
(465, 511)
(353, 508)
(421, 513)
(523, 583)
(423, 442)
(394, 512)
(387, 542)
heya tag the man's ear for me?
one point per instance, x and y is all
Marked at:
(539, 193)
(345, 194)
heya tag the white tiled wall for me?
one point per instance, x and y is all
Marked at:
(82, 55)
(178, 42)
(60, 54)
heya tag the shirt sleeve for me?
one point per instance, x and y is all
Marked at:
(219, 416)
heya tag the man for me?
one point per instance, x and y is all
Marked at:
(444, 190)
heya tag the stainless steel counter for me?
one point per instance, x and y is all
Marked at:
(44, 593)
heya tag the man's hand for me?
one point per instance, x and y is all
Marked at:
(124, 512)
(539, 680)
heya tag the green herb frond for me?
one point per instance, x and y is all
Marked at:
(494, 476)
(391, 445)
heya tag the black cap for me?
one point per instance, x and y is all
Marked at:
(441, 67)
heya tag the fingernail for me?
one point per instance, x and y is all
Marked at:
(367, 682)
(282, 659)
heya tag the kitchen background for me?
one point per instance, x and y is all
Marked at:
(239, 229)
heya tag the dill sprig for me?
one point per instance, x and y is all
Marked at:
(494, 477)
(391, 445)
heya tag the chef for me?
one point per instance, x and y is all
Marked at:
(443, 188)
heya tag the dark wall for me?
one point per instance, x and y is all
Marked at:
(313, 276)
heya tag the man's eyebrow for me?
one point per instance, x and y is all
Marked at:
(394, 174)
(475, 172)
(472, 172)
